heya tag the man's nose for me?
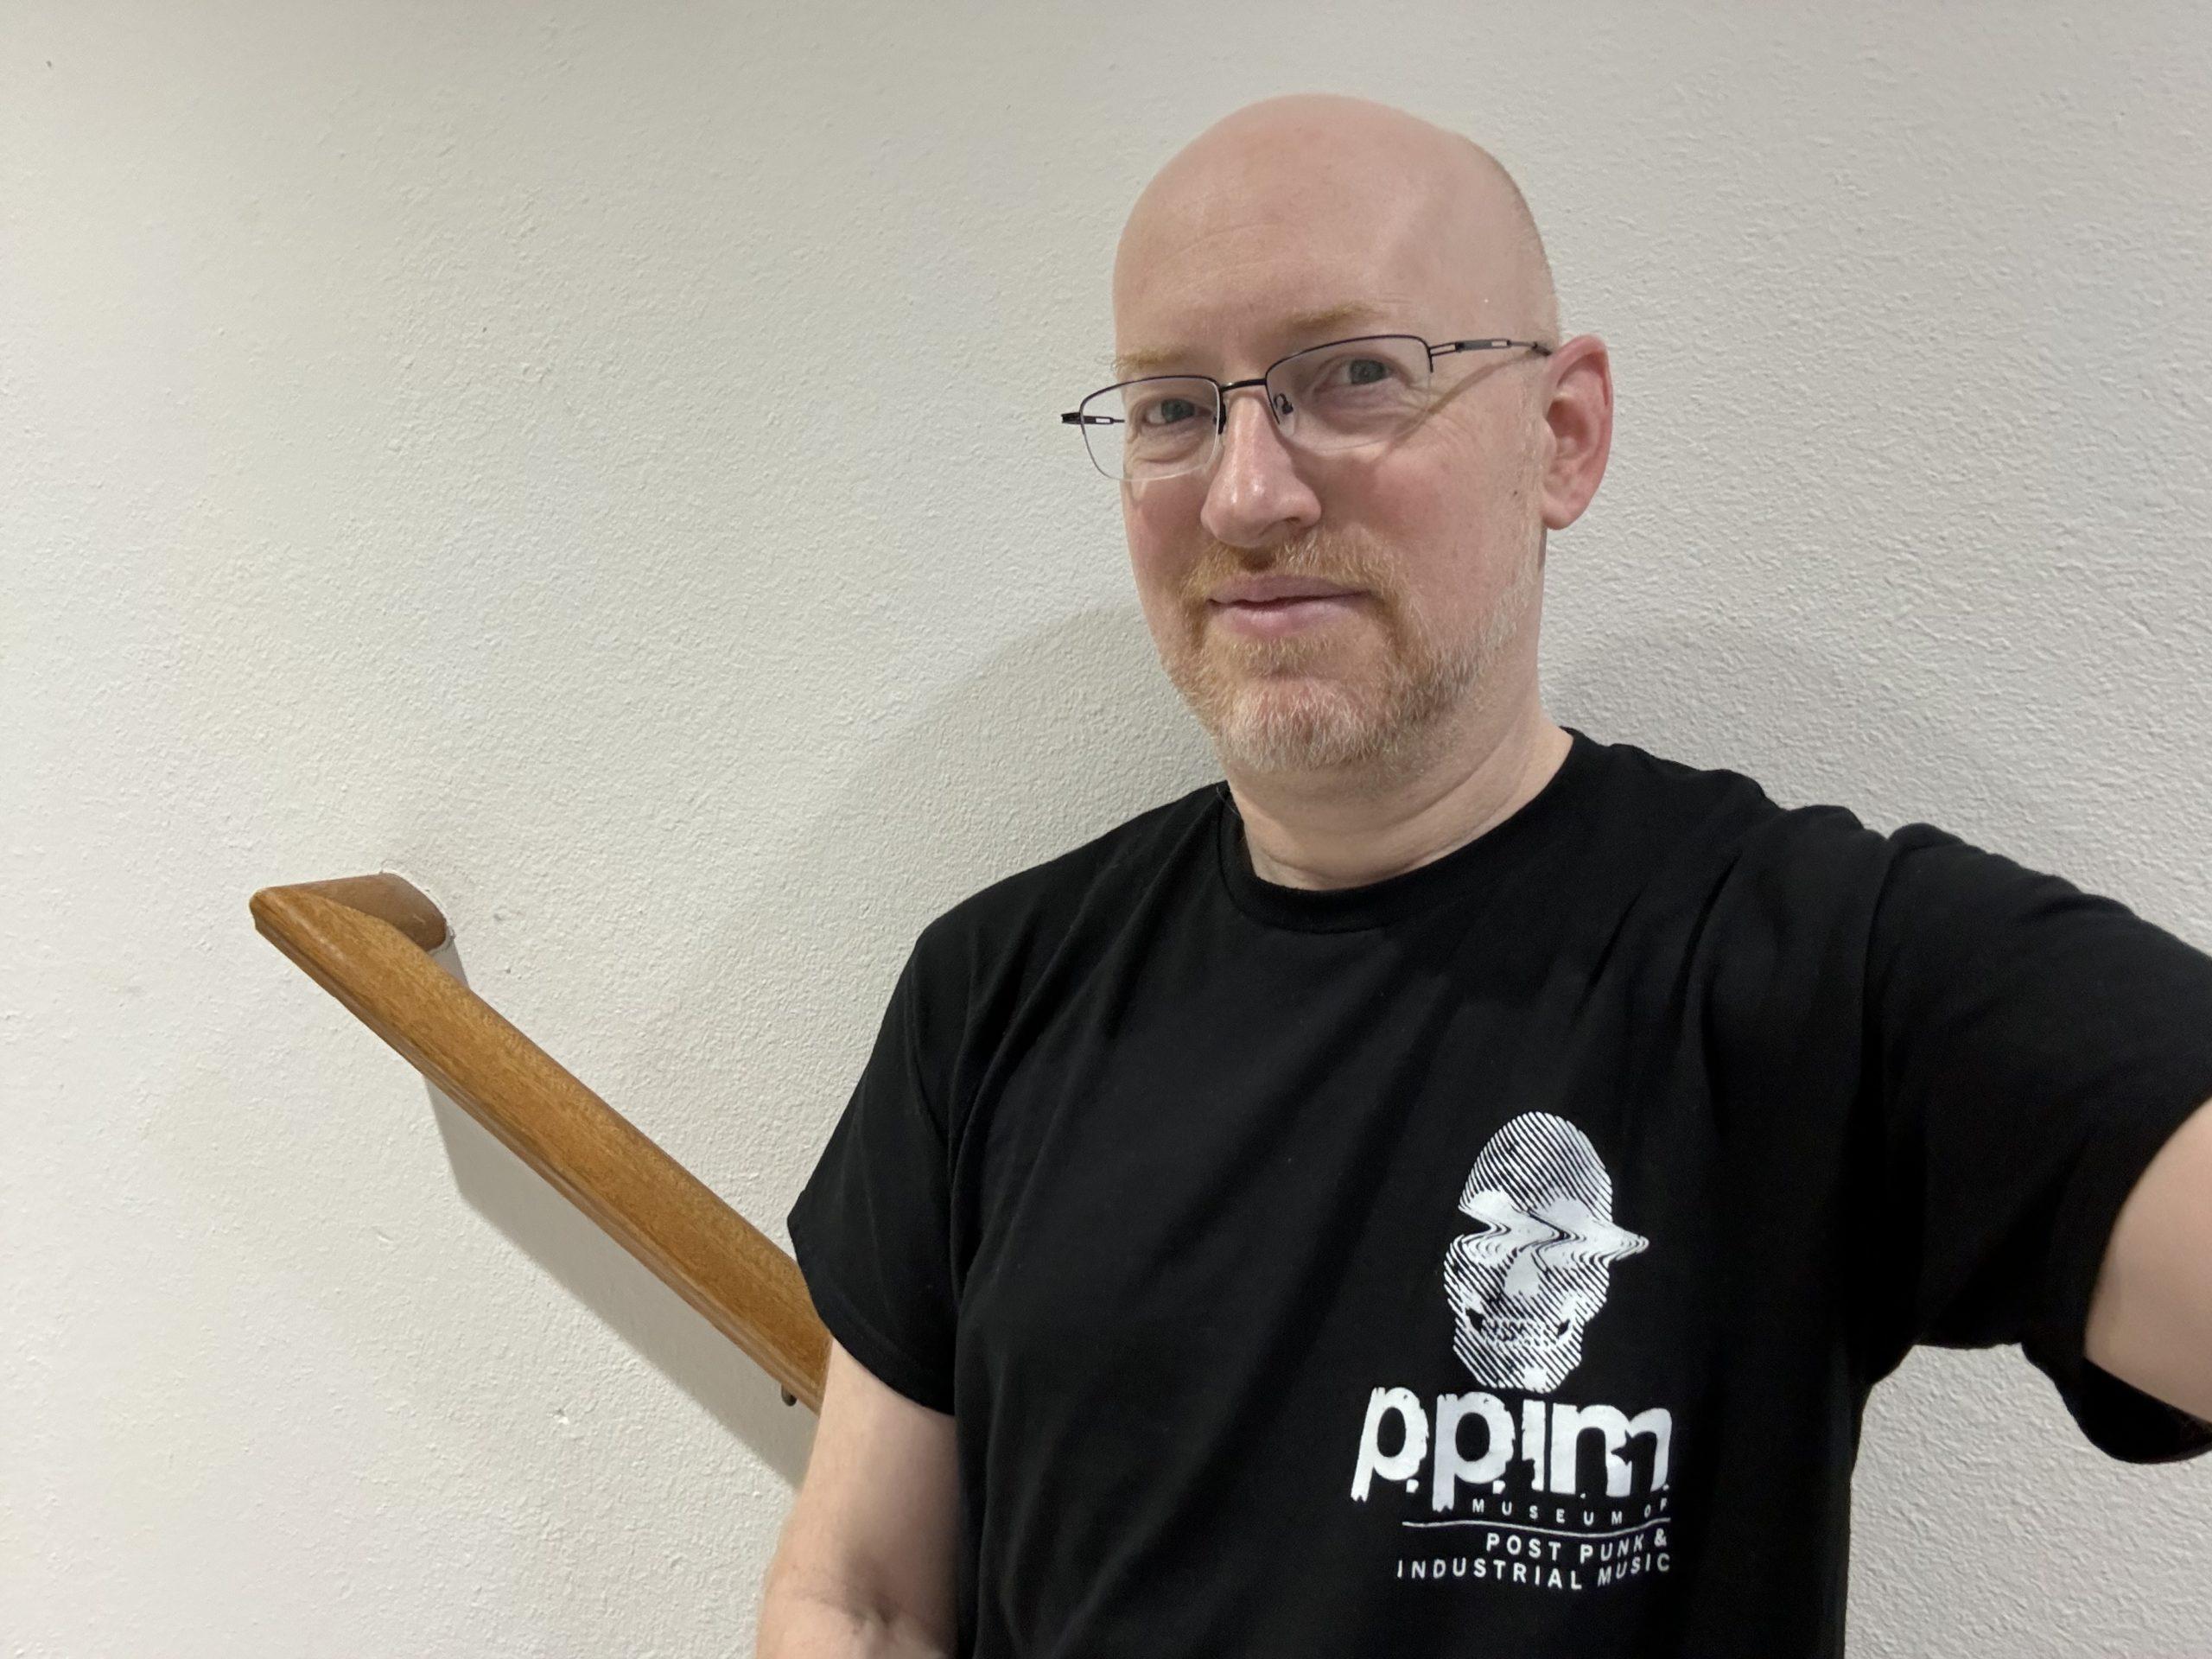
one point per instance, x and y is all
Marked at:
(1255, 494)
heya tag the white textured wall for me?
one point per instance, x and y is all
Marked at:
(481, 441)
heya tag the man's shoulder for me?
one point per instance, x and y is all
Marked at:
(1671, 803)
(1715, 823)
(1788, 852)
(1046, 898)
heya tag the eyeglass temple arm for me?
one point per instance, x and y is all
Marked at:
(1535, 345)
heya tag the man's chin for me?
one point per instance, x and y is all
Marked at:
(1300, 726)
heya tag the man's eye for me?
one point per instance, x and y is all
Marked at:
(1349, 373)
(1172, 411)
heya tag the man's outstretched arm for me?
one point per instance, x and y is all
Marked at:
(2151, 1315)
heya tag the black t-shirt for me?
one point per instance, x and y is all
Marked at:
(1494, 1258)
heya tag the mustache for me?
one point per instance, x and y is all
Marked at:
(1335, 560)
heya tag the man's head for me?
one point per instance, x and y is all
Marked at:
(1313, 203)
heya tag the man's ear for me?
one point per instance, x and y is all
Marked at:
(1577, 418)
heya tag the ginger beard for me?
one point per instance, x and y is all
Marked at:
(1369, 689)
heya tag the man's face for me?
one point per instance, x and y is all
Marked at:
(1439, 531)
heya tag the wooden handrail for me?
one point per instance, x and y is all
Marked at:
(367, 938)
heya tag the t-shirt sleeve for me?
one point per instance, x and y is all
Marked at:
(2033, 1046)
(871, 1228)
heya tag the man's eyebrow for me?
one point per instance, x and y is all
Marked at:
(1127, 365)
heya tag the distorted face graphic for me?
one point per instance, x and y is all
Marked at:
(1533, 1270)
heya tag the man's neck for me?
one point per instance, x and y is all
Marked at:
(1332, 830)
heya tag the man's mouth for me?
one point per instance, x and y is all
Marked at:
(1272, 589)
(1271, 616)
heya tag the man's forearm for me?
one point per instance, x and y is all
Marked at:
(796, 1626)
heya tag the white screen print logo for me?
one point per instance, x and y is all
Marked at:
(1524, 1284)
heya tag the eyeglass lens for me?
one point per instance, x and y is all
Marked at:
(1334, 396)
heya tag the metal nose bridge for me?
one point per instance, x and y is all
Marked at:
(1220, 408)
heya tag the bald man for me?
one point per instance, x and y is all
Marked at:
(1447, 1187)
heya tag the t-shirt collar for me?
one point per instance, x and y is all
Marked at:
(1470, 868)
